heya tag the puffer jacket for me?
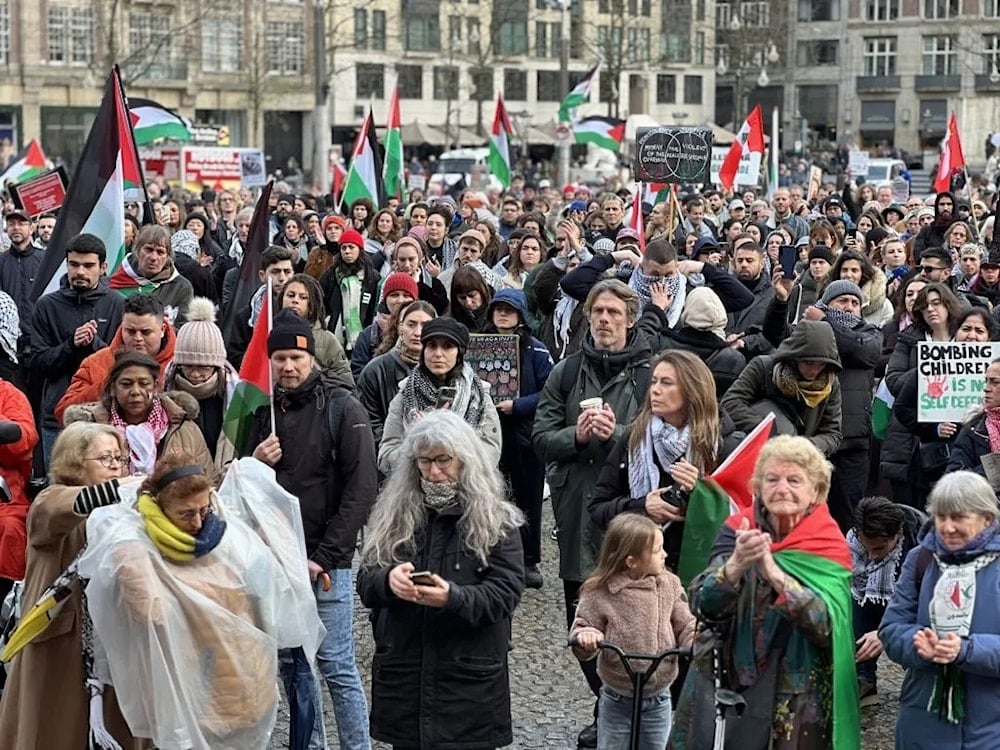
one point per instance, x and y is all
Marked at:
(378, 385)
(755, 393)
(15, 468)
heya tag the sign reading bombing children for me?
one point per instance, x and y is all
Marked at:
(950, 378)
(674, 155)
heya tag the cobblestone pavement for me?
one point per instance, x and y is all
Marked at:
(549, 698)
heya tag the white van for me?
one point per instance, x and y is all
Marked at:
(884, 170)
(453, 165)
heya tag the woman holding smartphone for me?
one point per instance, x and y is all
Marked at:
(441, 380)
(442, 572)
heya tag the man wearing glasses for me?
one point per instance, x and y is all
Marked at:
(936, 266)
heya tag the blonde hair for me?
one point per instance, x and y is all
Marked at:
(799, 451)
(698, 386)
(67, 463)
(628, 535)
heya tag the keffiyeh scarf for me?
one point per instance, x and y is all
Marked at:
(561, 320)
(669, 443)
(993, 429)
(10, 326)
(873, 580)
(256, 305)
(143, 438)
(420, 394)
(840, 318)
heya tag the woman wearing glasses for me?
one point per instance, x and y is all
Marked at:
(51, 676)
(153, 424)
(187, 602)
(442, 572)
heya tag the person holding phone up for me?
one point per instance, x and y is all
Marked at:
(441, 380)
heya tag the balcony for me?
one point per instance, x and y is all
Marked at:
(871, 84)
(937, 83)
(984, 83)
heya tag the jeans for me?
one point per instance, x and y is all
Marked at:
(866, 619)
(305, 703)
(49, 435)
(614, 721)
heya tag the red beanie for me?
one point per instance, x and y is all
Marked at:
(400, 282)
(340, 221)
(352, 237)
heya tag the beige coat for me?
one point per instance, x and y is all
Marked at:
(45, 703)
(182, 435)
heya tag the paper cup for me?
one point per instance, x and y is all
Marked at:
(591, 403)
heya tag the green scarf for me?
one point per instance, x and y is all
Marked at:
(350, 291)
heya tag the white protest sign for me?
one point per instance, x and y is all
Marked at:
(900, 190)
(748, 172)
(951, 376)
(857, 163)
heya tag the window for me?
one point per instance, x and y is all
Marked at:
(221, 43)
(482, 83)
(675, 47)
(149, 39)
(607, 86)
(455, 27)
(472, 34)
(816, 52)
(991, 8)
(940, 9)
(699, 48)
(369, 81)
(692, 89)
(755, 14)
(723, 15)
(881, 10)
(70, 35)
(515, 85)
(285, 47)
(722, 54)
(510, 27)
(666, 89)
(410, 80)
(880, 56)
(991, 54)
(421, 26)
(378, 29)
(548, 39)
(4, 33)
(940, 56)
(819, 10)
(445, 82)
(549, 89)
(603, 6)
(360, 28)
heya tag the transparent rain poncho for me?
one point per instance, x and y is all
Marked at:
(191, 647)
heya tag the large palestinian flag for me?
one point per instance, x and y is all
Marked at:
(151, 122)
(815, 553)
(95, 202)
(606, 132)
(248, 282)
(254, 389)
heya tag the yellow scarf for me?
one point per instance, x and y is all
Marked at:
(811, 392)
(171, 541)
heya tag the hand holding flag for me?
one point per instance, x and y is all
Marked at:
(952, 159)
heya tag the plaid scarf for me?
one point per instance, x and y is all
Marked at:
(670, 445)
(420, 394)
(142, 438)
(873, 580)
(839, 317)
(993, 429)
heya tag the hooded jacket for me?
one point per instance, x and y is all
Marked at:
(88, 381)
(933, 234)
(755, 393)
(54, 323)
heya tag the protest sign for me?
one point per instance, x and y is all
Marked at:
(673, 154)
(857, 163)
(495, 358)
(815, 181)
(950, 378)
(41, 194)
(900, 190)
(747, 173)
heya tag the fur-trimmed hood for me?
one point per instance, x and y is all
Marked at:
(874, 293)
(179, 407)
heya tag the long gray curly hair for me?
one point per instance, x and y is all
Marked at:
(399, 511)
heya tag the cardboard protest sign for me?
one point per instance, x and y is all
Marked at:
(950, 378)
(857, 163)
(496, 358)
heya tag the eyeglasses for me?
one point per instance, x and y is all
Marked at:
(443, 461)
(107, 460)
(202, 513)
(930, 269)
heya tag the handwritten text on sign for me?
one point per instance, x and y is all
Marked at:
(950, 378)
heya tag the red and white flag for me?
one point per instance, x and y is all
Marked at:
(749, 143)
(952, 158)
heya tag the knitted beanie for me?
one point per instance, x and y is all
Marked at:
(821, 252)
(329, 219)
(839, 288)
(400, 282)
(352, 237)
(289, 331)
(199, 341)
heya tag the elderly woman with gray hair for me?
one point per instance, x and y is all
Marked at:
(442, 571)
(942, 624)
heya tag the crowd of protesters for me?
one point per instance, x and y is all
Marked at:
(648, 347)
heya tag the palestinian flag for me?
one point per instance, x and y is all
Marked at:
(393, 174)
(254, 388)
(637, 221)
(882, 410)
(248, 282)
(500, 144)
(815, 553)
(579, 95)
(29, 163)
(656, 192)
(96, 196)
(716, 498)
(152, 122)
(364, 176)
(606, 132)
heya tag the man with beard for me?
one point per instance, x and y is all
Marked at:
(932, 235)
(510, 211)
(46, 225)
(745, 328)
(18, 268)
(70, 324)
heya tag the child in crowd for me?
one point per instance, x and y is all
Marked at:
(631, 600)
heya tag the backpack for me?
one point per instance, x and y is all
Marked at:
(571, 374)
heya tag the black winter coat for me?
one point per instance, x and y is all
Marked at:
(331, 472)
(440, 676)
(334, 301)
(54, 322)
(859, 350)
(17, 276)
(972, 443)
(904, 436)
(725, 362)
(750, 320)
(378, 385)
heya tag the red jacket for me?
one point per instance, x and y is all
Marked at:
(15, 466)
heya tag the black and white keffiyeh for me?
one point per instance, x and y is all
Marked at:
(671, 445)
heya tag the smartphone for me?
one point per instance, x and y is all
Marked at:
(446, 396)
(788, 256)
(422, 578)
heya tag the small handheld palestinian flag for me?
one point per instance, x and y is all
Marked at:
(255, 387)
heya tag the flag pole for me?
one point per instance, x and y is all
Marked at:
(270, 370)
(147, 205)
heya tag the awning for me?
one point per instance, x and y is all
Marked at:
(416, 133)
(878, 116)
(540, 135)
